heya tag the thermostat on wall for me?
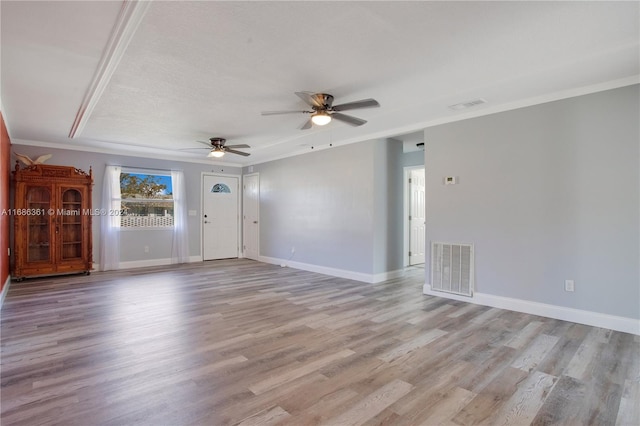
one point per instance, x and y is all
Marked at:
(450, 180)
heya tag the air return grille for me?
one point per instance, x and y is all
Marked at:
(452, 268)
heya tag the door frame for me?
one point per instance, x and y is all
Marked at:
(201, 212)
(257, 212)
(407, 211)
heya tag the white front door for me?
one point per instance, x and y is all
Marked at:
(417, 217)
(250, 215)
(219, 217)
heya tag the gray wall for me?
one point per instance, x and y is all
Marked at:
(321, 203)
(132, 242)
(413, 158)
(389, 207)
(546, 193)
(339, 207)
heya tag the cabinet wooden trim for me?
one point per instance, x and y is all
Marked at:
(52, 220)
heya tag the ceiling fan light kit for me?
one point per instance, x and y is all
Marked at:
(215, 153)
(321, 118)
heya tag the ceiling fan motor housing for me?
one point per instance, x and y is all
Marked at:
(327, 101)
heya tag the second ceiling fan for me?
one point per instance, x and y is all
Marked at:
(218, 148)
(323, 110)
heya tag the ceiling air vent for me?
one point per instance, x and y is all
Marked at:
(469, 104)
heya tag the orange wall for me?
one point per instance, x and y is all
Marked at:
(5, 179)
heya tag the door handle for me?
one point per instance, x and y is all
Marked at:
(206, 221)
(255, 221)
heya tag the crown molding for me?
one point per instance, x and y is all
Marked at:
(117, 150)
(489, 110)
(128, 21)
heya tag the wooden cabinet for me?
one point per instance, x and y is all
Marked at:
(52, 220)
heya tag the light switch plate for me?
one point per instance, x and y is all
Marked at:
(569, 285)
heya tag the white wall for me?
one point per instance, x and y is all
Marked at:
(546, 193)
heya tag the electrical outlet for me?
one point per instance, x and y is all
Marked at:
(146, 249)
(569, 285)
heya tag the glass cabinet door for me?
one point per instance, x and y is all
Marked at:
(71, 224)
(39, 225)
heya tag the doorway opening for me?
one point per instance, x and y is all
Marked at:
(251, 216)
(415, 216)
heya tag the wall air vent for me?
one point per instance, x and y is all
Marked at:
(469, 104)
(452, 268)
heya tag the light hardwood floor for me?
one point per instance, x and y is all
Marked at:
(240, 342)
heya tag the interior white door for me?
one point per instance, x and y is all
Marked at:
(250, 216)
(219, 217)
(417, 217)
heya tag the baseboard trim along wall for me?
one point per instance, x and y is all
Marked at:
(334, 272)
(595, 319)
(5, 289)
(153, 262)
(146, 263)
(389, 275)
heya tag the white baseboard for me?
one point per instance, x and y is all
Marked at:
(146, 263)
(389, 275)
(595, 319)
(334, 272)
(5, 290)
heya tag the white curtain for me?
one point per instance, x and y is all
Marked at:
(180, 244)
(110, 222)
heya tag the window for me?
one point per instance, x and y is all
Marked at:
(146, 200)
(221, 187)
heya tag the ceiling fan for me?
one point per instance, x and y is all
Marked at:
(323, 110)
(218, 148)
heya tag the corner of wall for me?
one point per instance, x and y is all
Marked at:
(5, 181)
(4, 291)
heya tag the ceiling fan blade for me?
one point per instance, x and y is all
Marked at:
(354, 121)
(364, 103)
(233, 151)
(205, 143)
(244, 145)
(306, 125)
(310, 99)
(191, 149)
(284, 112)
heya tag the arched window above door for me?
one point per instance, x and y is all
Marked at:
(221, 187)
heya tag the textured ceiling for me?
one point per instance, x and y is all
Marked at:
(193, 70)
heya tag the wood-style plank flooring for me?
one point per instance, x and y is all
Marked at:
(238, 342)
